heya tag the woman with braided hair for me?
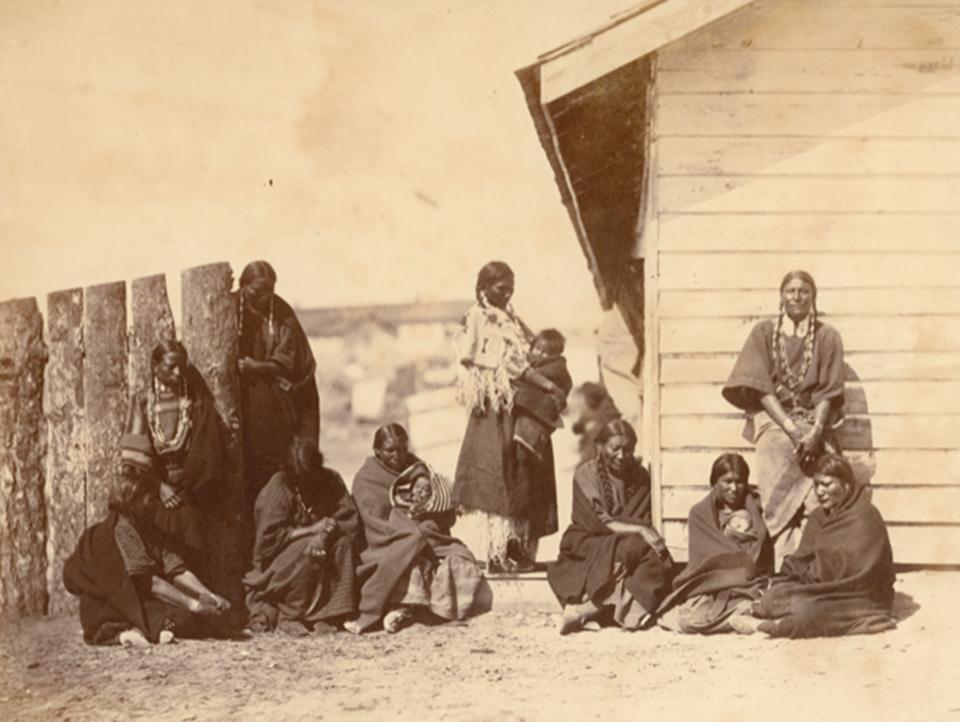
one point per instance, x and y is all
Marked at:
(789, 381)
(611, 559)
(279, 397)
(173, 427)
(509, 497)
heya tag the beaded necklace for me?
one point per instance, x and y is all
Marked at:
(790, 380)
(160, 441)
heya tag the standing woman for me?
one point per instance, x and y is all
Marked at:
(789, 380)
(174, 427)
(279, 395)
(509, 498)
(611, 558)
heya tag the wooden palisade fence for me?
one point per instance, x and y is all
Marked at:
(63, 405)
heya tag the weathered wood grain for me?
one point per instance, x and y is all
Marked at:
(736, 270)
(806, 232)
(808, 157)
(761, 26)
(152, 321)
(860, 397)
(867, 366)
(210, 335)
(860, 333)
(809, 115)
(763, 302)
(23, 519)
(800, 71)
(814, 194)
(105, 389)
(66, 471)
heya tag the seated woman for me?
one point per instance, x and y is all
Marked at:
(133, 589)
(411, 562)
(174, 423)
(303, 576)
(839, 581)
(730, 556)
(611, 558)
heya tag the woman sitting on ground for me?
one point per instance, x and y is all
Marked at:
(730, 556)
(132, 588)
(839, 581)
(611, 558)
(303, 576)
(411, 563)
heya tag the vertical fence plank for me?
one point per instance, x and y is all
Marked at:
(23, 522)
(151, 321)
(66, 465)
(210, 335)
(105, 389)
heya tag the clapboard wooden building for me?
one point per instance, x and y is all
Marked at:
(705, 147)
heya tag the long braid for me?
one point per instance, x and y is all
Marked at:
(605, 486)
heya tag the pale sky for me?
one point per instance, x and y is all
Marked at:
(143, 137)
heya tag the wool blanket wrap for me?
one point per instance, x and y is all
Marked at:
(840, 579)
(722, 575)
(593, 559)
(275, 408)
(409, 561)
(111, 599)
(195, 469)
(492, 477)
(287, 581)
(537, 412)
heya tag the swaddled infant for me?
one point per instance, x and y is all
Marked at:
(739, 526)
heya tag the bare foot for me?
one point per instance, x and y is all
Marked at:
(133, 638)
(575, 616)
(352, 627)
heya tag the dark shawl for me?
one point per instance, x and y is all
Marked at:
(277, 513)
(493, 477)
(275, 409)
(588, 561)
(285, 581)
(840, 579)
(536, 402)
(754, 375)
(201, 465)
(717, 565)
(111, 600)
(394, 541)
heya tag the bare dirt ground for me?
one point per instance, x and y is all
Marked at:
(501, 666)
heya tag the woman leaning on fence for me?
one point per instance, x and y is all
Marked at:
(278, 387)
(173, 427)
